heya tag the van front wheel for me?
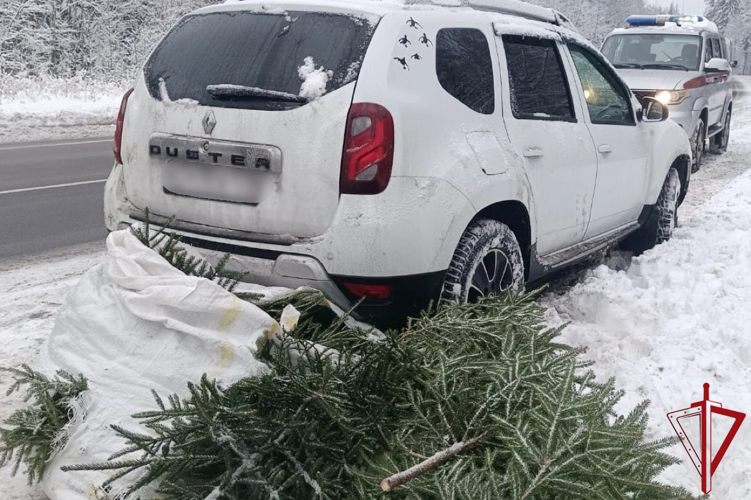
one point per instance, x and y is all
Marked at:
(697, 145)
(719, 143)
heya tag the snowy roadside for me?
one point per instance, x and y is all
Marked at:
(718, 171)
(34, 110)
(33, 289)
(678, 316)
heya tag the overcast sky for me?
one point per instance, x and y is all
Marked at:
(691, 6)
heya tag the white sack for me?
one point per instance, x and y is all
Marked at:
(133, 324)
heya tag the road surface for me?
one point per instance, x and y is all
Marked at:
(51, 194)
(742, 91)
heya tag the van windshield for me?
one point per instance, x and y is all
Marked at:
(654, 51)
(266, 52)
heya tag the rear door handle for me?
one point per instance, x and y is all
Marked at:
(533, 153)
(605, 148)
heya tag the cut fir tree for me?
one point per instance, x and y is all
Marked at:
(469, 402)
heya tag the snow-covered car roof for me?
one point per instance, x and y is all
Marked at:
(514, 8)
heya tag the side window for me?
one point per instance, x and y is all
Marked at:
(537, 82)
(464, 68)
(708, 53)
(716, 51)
(608, 101)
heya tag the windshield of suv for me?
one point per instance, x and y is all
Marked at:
(654, 51)
(266, 52)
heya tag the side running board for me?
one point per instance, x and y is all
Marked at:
(581, 250)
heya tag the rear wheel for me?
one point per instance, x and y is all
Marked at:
(662, 220)
(697, 144)
(719, 143)
(487, 261)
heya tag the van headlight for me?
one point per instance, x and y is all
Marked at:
(672, 96)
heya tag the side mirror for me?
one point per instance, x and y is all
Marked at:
(654, 111)
(734, 64)
(716, 64)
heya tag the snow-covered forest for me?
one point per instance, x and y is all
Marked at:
(104, 39)
(107, 40)
(733, 17)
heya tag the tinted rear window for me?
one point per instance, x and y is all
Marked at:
(255, 50)
(464, 67)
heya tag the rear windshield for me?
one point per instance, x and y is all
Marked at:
(272, 52)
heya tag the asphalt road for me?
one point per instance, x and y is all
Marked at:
(51, 194)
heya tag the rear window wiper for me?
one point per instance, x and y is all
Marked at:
(229, 91)
(627, 65)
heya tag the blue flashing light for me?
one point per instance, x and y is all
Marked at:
(661, 20)
(642, 21)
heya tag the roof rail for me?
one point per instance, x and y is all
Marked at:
(513, 7)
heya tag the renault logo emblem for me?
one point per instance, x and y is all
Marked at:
(209, 122)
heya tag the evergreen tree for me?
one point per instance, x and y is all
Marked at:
(721, 12)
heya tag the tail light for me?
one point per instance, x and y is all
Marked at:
(370, 291)
(119, 127)
(368, 150)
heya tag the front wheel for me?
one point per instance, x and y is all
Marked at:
(719, 143)
(487, 261)
(661, 221)
(697, 145)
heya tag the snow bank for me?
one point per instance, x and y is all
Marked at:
(677, 318)
(39, 109)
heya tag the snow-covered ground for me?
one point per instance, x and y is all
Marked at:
(662, 324)
(32, 290)
(678, 316)
(35, 110)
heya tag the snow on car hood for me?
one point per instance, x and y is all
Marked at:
(655, 79)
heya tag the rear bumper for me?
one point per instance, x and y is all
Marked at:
(270, 268)
(410, 294)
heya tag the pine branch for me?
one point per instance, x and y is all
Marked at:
(168, 244)
(34, 433)
(428, 464)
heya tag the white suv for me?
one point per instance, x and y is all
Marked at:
(392, 153)
(684, 63)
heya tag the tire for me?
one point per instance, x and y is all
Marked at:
(485, 244)
(662, 220)
(719, 143)
(697, 145)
